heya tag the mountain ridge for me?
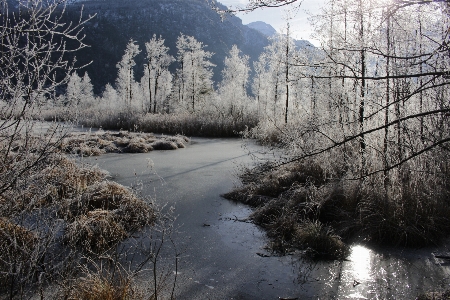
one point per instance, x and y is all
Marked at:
(269, 31)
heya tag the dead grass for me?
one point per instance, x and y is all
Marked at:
(16, 246)
(103, 215)
(97, 287)
(164, 145)
(98, 143)
(65, 178)
(97, 215)
(134, 213)
(137, 147)
(320, 241)
(105, 195)
(96, 231)
(435, 296)
(337, 210)
(15, 237)
(58, 178)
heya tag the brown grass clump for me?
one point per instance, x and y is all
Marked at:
(137, 146)
(320, 241)
(164, 145)
(97, 287)
(272, 182)
(96, 231)
(134, 213)
(67, 178)
(288, 203)
(122, 141)
(179, 140)
(15, 236)
(105, 195)
(410, 211)
(86, 150)
(103, 215)
(16, 246)
(57, 179)
(98, 143)
(435, 296)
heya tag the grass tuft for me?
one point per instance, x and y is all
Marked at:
(98, 143)
(96, 231)
(164, 145)
(97, 287)
(16, 246)
(435, 296)
(320, 241)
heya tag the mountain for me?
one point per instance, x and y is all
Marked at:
(118, 21)
(262, 27)
(302, 44)
(269, 31)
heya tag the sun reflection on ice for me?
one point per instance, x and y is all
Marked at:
(360, 260)
(356, 274)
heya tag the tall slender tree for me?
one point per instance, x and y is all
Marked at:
(158, 62)
(125, 79)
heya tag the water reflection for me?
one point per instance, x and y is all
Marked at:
(360, 263)
(356, 273)
(368, 273)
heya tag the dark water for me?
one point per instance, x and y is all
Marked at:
(221, 257)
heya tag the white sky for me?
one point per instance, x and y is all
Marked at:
(300, 27)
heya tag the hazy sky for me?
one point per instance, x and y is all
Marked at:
(300, 28)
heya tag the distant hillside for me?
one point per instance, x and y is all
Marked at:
(262, 27)
(269, 31)
(118, 21)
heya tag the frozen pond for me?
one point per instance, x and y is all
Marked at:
(225, 259)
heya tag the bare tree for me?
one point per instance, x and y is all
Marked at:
(34, 62)
(36, 58)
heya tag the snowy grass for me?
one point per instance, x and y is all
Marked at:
(101, 142)
(208, 124)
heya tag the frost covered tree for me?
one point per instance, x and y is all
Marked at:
(194, 73)
(158, 62)
(376, 84)
(79, 93)
(110, 97)
(80, 90)
(272, 80)
(125, 80)
(233, 88)
(374, 117)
